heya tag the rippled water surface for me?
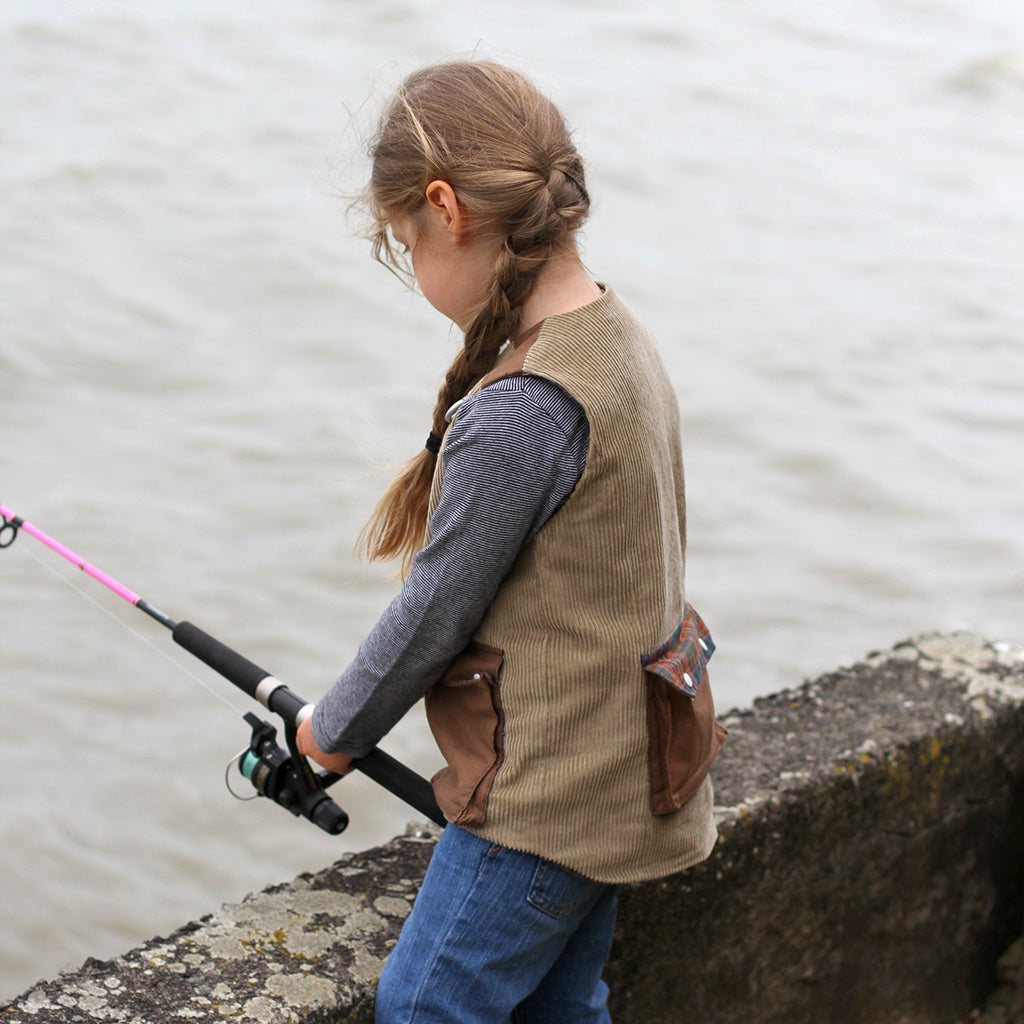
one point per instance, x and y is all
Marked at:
(205, 381)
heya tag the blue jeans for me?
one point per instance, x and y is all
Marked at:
(497, 936)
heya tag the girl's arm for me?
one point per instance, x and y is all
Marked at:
(513, 457)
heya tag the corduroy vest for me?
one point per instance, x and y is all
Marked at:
(579, 724)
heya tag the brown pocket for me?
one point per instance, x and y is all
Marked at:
(683, 736)
(465, 716)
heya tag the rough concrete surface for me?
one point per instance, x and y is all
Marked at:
(310, 951)
(1006, 1004)
(871, 860)
(870, 870)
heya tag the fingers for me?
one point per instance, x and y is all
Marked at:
(340, 764)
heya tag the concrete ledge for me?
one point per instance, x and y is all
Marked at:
(871, 862)
(311, 950)
(870, 869)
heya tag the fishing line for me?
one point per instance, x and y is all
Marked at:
(134, 632)
(283, 775)
(233, 763)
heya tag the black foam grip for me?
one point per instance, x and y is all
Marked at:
(286, 703)
(230, 664)
(415, 790)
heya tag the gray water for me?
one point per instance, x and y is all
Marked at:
(205, 382)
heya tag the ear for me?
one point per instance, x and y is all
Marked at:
(444, 206)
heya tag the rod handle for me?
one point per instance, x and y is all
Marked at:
(221, 658)
(406, 784)
(257, 682)
(394, 776)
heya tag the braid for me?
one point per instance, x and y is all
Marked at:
(506, 151)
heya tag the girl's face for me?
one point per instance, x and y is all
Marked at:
(433, 262)
(452, 269)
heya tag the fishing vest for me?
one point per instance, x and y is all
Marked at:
(578, 724)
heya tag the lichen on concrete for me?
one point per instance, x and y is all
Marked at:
(311, 950)
(868, 871)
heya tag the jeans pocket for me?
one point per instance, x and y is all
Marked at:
(683, 736)
(557, 892)
(465, 715)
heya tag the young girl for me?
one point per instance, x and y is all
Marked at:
(543, 614)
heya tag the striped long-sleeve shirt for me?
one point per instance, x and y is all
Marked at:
(512, 458)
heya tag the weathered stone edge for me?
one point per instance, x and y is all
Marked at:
(311, 950)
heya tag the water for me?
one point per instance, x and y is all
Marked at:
(205, 382)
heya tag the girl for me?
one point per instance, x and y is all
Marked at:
(543, 616)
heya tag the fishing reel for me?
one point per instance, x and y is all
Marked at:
(285, 777)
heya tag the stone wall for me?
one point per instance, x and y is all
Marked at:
(870, 870)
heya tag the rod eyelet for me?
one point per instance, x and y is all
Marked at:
(8, 532)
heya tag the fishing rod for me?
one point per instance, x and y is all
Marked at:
(284, 776)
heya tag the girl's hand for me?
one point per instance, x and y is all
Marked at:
(340, 764)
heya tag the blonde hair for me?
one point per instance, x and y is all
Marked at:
(506, 152)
